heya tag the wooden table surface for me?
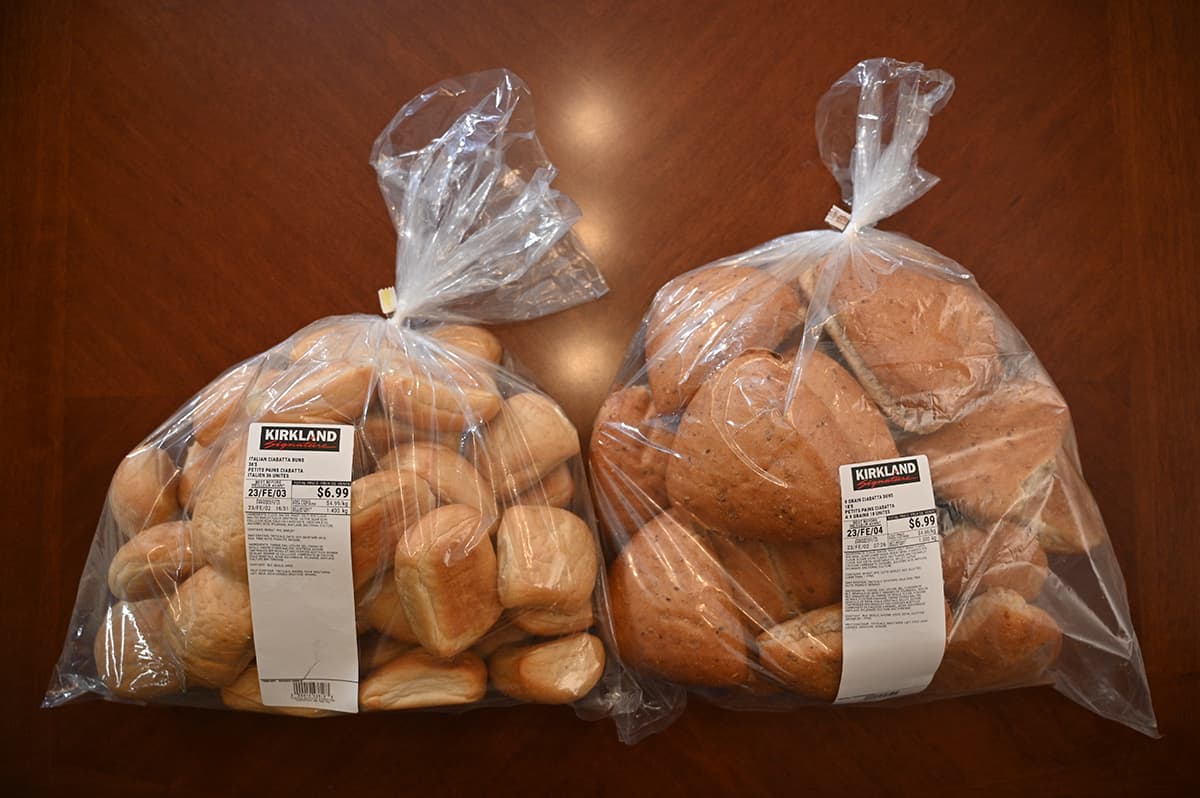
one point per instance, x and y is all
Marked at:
(183, 185)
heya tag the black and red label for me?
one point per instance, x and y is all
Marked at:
(300, 439)
(882, 475)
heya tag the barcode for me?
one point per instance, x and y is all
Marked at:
(311, 691)
(877, 696)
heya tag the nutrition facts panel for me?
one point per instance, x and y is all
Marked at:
(297, 518)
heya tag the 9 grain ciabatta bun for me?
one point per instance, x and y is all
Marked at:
(746, 466)
(1005, 460)
(673, 608)
(703, 319)
(925, 346)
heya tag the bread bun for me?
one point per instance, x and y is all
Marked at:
(556, 672)
(450, 476)
(419, 679)
(974, 560)
(153, 562)
(1005, 460)
(809, 571)
(218, 520)
(430, 391)
(528, 439)
(630, 449)
(379, 434)
(805, 653)
(337, 339)
(382, 506)
(924, 346)
(144, 491)
(446, 578)
(223, 399)
(547, 558)
(382, 611)
(556, 489)
(775, 581)
(553, 621)
(134, 658)
(504, 633)
(316, 393)
(475, 341)
(377, 650)
(703, 319)
(673, 608)
(1069, 522)
(999, 640)
(754, 582)
(197, 466)
(744, 468)
(209, 623)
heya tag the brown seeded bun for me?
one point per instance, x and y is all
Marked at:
(673, 609)
(630, 449)
(1005, 460)
(755, 584)
(810, 571)
(999, 640)
(743, 468)
(974, 560)
(805, 653)
(1069, 522)
(924, 346)
(776, 581)
(703, 319)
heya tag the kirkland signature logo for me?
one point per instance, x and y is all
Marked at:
(882, 475)
(304, 439)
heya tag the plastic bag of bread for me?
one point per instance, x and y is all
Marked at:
(831, 470)
(377, 513)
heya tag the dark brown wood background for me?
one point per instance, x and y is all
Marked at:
(182, 185)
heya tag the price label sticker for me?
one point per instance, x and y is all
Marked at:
(893, 610)
(297, 515)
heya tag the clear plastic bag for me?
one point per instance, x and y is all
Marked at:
(473, 552)
(715, 459)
